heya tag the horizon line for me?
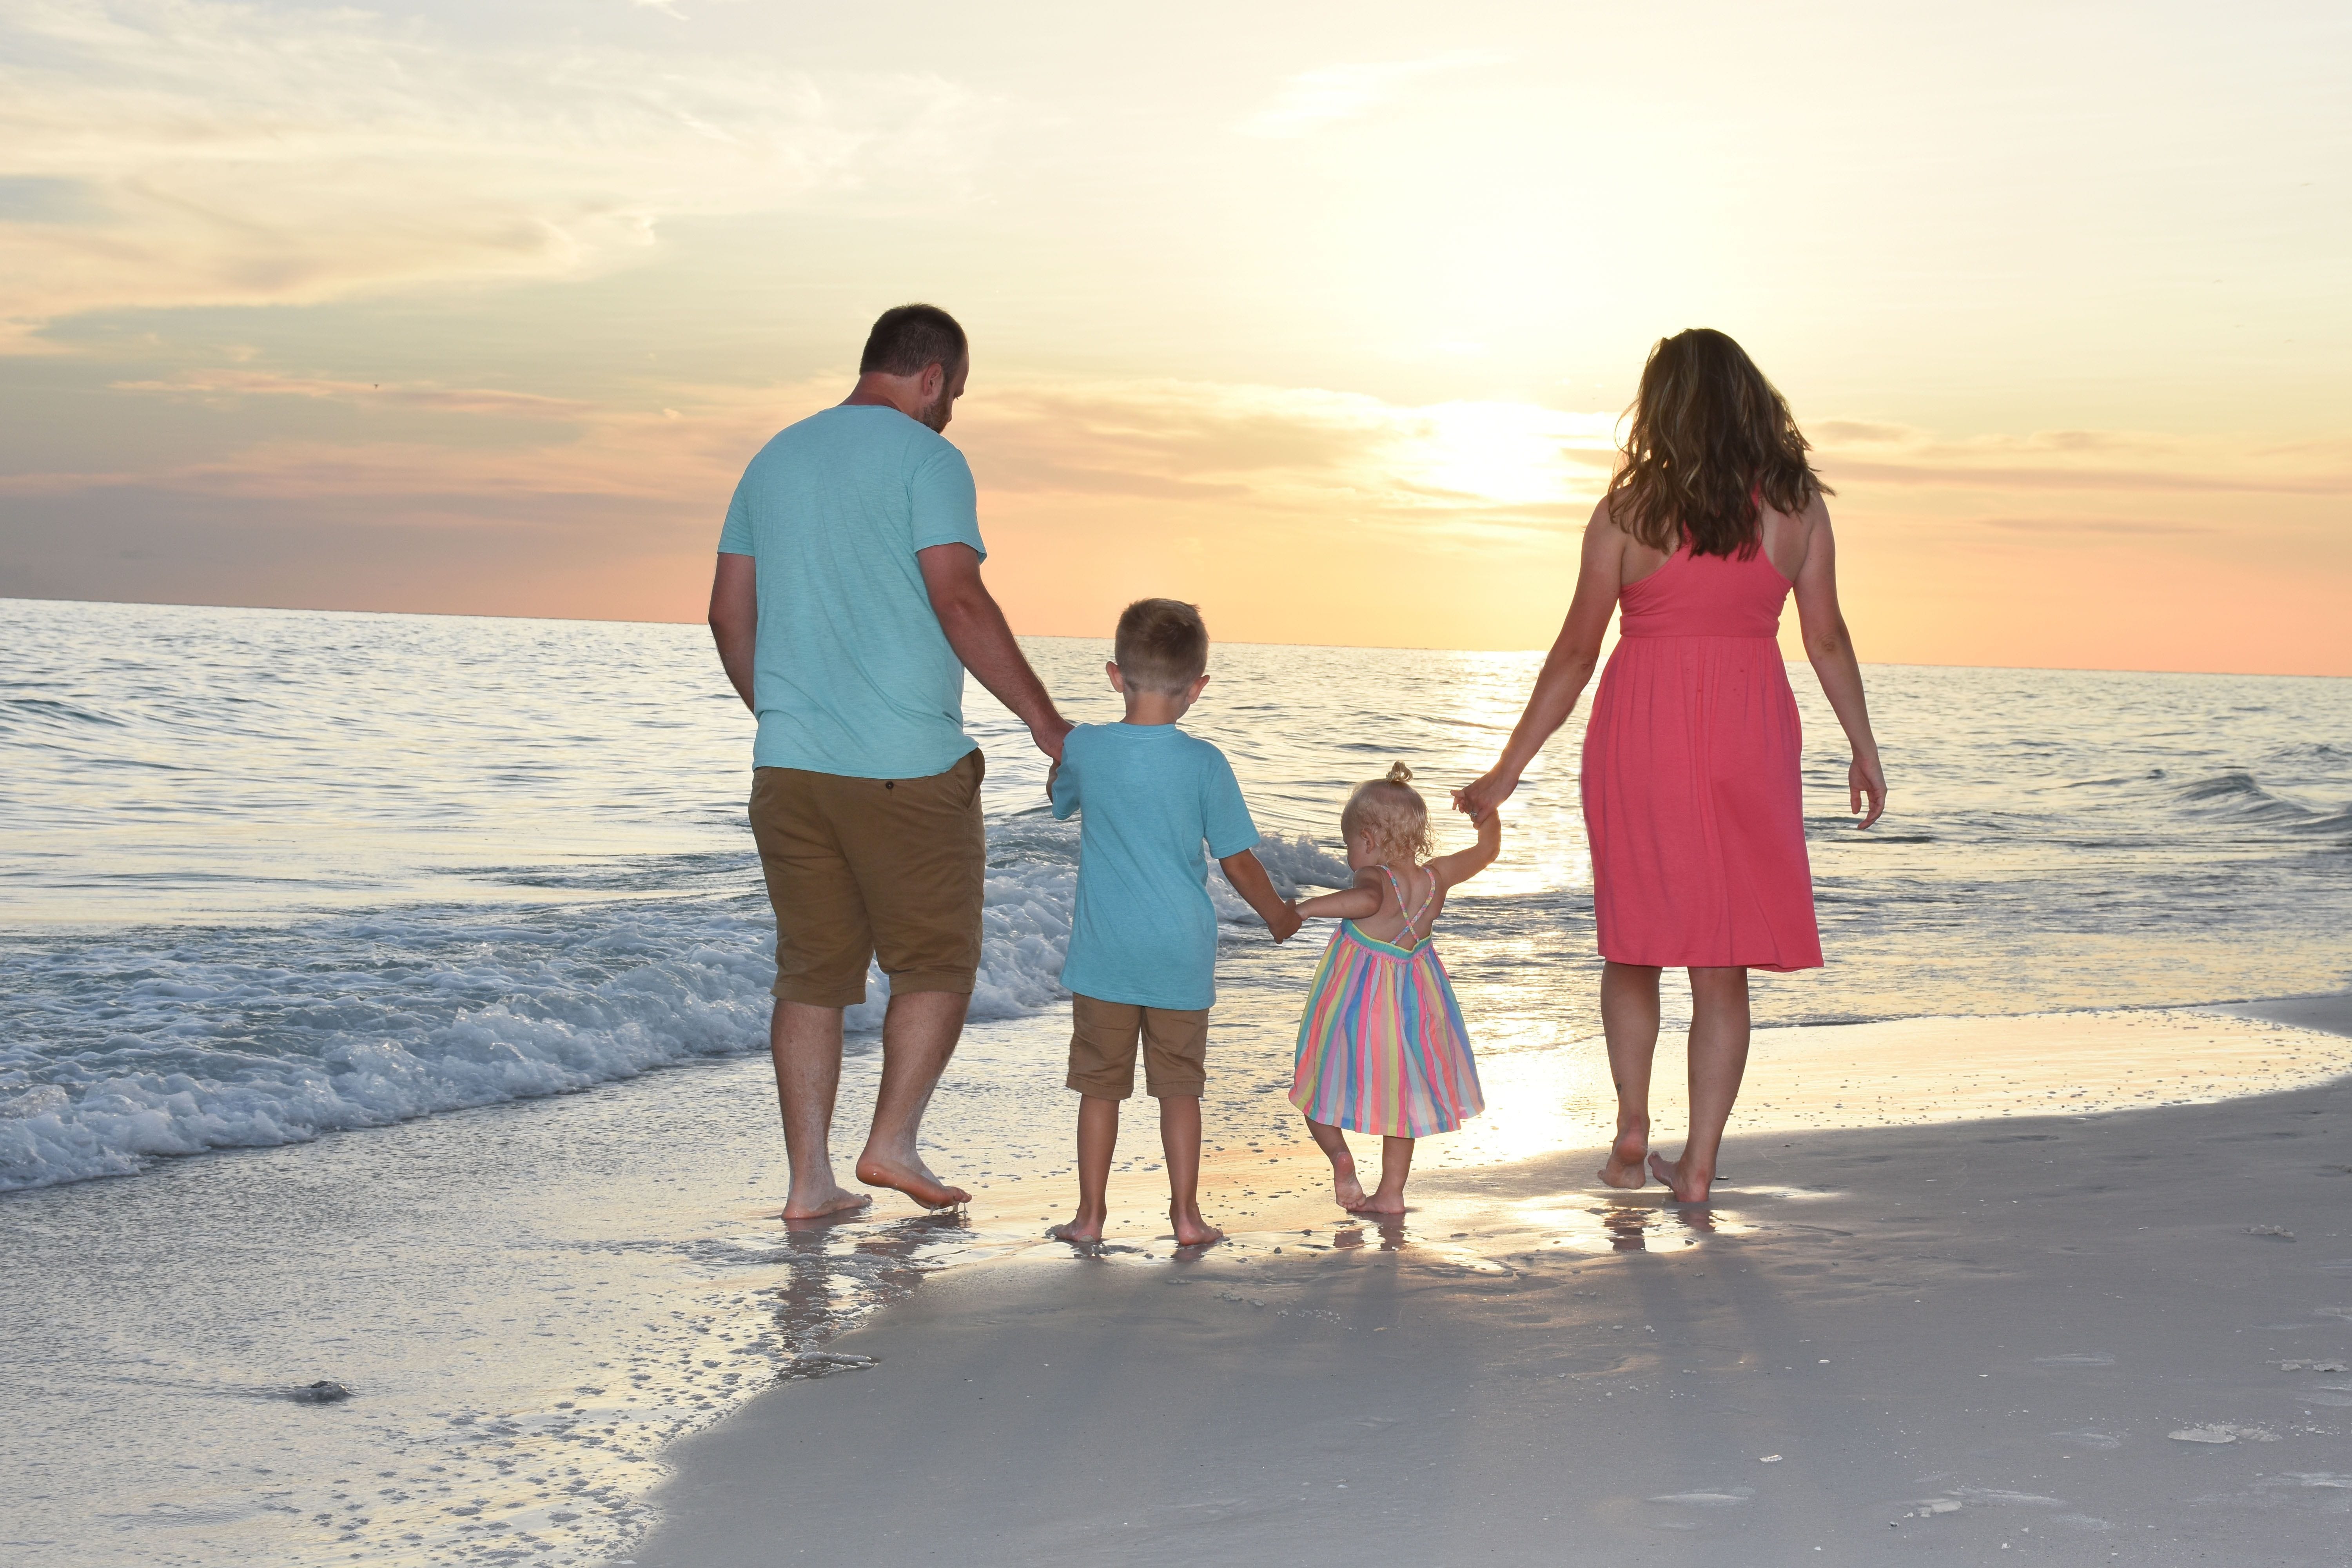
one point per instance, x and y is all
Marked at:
(1104, 638)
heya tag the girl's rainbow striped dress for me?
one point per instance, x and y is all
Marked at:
(1381, 1048)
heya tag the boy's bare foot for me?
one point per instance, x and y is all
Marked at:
(1623, 1168)
(1382, 1203)
(1191, 1230)
(1689, 1187)
(1078, 1232)
(1344, 1185)
(828, 1204)
(913, 1178)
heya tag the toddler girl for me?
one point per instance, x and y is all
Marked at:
(1381, 1048)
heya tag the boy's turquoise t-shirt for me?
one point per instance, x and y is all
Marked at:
(1147, 795)
(852, 674)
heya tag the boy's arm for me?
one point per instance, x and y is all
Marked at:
(1359, 903)
(1465, 864)
(1256, 888)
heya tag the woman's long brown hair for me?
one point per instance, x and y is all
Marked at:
(1710, 435)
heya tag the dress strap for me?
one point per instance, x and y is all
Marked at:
(1413, 937)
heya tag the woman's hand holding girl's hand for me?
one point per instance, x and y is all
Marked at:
(1866, 778)
(1484, 797)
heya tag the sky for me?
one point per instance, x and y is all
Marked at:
(1323, 316)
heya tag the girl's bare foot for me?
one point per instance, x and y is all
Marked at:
(1081, 1231)
(1689, 1186)
(1190, 1229)
(1344, 1185)
(1623, 1168)
(1383, 1201)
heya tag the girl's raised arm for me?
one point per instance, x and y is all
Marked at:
(1361, 902)
(1465, 864)
(1566, 669)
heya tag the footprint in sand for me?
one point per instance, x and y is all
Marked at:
(2219, 1432)
(2104, 1441)
(1737, 1495)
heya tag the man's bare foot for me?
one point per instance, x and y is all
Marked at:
(1190, 1229)
(830, 1203)
(1382, 1203)
(1691, 1188)
(1344, 1185)
(913, 1179)
(1623, 1168)
(1078, 1232)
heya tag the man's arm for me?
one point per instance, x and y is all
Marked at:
(1256, 888)
(976, 629)
(735, 619)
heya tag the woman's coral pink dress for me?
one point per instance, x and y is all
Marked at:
(1692, 799)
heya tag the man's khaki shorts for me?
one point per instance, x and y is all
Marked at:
(872, 868)
(1103, 1037)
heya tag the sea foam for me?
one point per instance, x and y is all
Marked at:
(134, 1046)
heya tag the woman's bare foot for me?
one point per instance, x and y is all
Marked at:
(1344, 1185)
(1623, 1168)
(1192, 1230)
(829, 1203)
(914, 1179)
(1689, 1186)
(1083, 1230)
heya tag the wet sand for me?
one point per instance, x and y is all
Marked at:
(2101, 1337)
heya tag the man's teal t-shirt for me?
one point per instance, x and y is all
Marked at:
(852, 673)
(1147, 795)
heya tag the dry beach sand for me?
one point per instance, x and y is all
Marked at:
(2064, 1329)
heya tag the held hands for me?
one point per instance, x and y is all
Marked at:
(1480, 800)
(1285, 921)
(1049, 735)
(1866, 778)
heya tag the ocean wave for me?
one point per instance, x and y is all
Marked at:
(2236, 795)
(124, 1049)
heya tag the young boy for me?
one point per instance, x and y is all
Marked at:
(1143, 941)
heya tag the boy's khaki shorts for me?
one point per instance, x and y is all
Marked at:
(872, 868)
(1103, 1037)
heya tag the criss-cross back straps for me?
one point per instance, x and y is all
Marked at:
(1413, 937)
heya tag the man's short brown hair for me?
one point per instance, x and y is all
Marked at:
(1162, 645)
(909, 338)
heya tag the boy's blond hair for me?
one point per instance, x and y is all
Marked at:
(1162, 646)
(1393, 813)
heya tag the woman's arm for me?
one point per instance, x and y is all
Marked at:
(1465, 864)
(1359, 903)
(1566, 669)
(1831, 648)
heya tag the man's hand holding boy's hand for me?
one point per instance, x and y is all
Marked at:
(1285, 922)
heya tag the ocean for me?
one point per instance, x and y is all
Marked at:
(344, 960)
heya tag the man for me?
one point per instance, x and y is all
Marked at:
(846, 607)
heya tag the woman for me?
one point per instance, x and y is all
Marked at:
(1691, 790)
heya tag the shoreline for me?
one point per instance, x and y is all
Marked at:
(2001, 1327)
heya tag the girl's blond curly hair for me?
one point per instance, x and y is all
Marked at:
(1393, 812)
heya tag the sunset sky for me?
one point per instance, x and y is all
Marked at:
(1321, 315)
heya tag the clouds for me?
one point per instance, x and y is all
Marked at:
(1321, 97)
(2090, 462)
(174, 153)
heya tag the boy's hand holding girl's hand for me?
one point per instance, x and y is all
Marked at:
(1285, 921)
